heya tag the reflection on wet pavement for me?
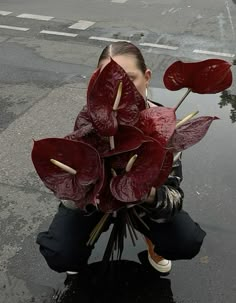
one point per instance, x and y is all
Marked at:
(15, 290)
(209, 187)
(124, 281)
(228, 99)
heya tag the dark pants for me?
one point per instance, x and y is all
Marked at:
(64, 244)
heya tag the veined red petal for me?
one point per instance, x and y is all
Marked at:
(214, 76)
(165, 170)
(102, 96)
(107, 202)
(83, 123)
(158, 123)
(83, 158)
(177, 76)
(92, 80)
(136, 184)
(127, 138)
(205, 77)
(190, 133)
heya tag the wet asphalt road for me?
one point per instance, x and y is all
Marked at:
(43, 82)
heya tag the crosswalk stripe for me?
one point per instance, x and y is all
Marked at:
(199, 51)
(5, 13)
(35, 17)
(159, 46)
(14, 28)
(119, 1)
(106, 39)
(58, 33)
(82, 24)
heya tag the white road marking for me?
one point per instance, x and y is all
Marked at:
(106, 39)
(35, 17)
(16, 28)
(82, 24)
(176, 10)
(199, 51)
(58, 33)
(119, 1)
(4, 13)
(230, 18)
(221, 22)
(159, 46)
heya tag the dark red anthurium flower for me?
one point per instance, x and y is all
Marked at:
(126, 139)
(165, 169)
(135, 184)
(113, 99)
(158, 123)
(83, 123)
(92, 80)
(205, 77)
(106, 201)
(190, 133)
(87, 178)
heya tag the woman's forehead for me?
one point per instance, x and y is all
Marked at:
(127, 62)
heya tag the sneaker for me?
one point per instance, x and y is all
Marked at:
(158, 262)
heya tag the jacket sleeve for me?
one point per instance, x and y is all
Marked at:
(169, 197)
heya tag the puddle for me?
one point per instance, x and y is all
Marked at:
(209, 186)
(125, 282)
(14, 290)
(228, 99)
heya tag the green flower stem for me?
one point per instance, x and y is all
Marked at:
(131, 229)
(186, 119)
(97, 229)
(131, 234)
(182, 99)
(137, 216)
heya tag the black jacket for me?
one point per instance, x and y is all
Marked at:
(169, 197)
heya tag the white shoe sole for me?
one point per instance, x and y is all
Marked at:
(163, 266)
(72, 272)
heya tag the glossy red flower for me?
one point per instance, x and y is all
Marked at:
(158, 123)
(106, 113)
(136, 183)
(107, 202)
(83, 184)
(165, 169)
(83, 123)
(126, 139)
(190, 133)
(205, 77)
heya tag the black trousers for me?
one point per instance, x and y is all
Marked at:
(64, 244)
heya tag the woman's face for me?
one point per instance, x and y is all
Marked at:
(129, 64)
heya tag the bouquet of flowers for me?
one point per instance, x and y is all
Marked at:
(120, 149)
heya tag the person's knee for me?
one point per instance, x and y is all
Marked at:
(192, 249)
(61, 257)
(185, 247)
(190, 237)
(53, 258)
(192, 246)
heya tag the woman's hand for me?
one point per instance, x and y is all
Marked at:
(151, 197)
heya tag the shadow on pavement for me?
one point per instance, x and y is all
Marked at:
(123, 281)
